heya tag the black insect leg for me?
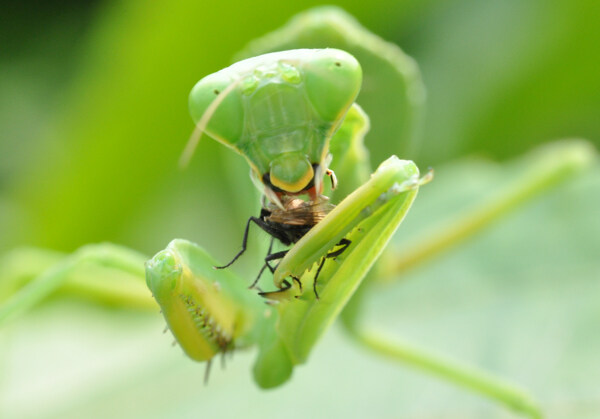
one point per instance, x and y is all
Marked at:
(257, 221)
(277, 256)
(264, 266)
(258, 276)
(297, 281)
(317, 276)
(344, 243)
(270, 257)
(273, 231)
(286, 286)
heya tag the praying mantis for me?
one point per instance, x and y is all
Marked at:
(283, 341)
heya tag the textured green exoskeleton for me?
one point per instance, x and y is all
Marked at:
(279, 111)
(207, 311)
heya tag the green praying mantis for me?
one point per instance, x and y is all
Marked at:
(212, 312)
(271, 110)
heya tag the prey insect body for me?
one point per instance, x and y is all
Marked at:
(289, 225)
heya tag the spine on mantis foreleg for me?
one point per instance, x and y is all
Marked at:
(208, 311)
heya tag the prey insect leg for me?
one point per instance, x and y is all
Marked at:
(263, 225)
(259, 275)
(244, 242)
(270, 257)
(264, 266)
(286, 286)
(344, 243)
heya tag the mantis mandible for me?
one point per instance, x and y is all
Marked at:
(212, 312)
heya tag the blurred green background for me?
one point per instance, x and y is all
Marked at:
(93, 117)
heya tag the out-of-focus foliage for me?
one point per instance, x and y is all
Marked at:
(102, 145)
(93, 116)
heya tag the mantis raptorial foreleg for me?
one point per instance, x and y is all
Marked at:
(209, 311)
(530, 176)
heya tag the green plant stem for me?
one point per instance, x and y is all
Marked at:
(546, 168)
(106, 259)
(474, 379)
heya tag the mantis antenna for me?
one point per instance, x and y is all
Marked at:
(192, 143)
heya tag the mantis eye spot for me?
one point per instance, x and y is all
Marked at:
(216, 91)
(338, 64)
